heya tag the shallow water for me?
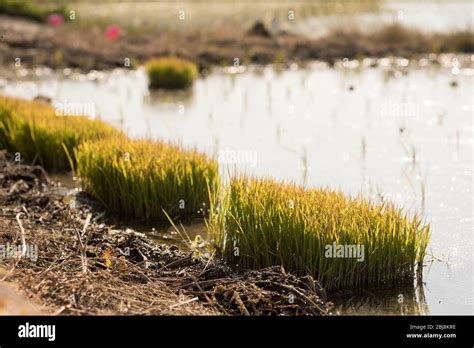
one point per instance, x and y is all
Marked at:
(397, 132)
(190, 235)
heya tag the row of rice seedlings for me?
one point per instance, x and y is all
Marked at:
(171, 73)
(144, 179)
(33, 130)
(261, 222)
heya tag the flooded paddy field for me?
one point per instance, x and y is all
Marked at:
(401, 131)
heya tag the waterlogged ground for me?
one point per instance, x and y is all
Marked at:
(402, 131)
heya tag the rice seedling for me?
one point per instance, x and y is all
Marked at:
(171, 73)
(34, 131)
(143, 179)
(261, 222)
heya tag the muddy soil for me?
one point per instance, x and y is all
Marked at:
(70, 262)
(37, 44)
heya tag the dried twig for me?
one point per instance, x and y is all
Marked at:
(81, 245)
(22, 235)
(240, 303)
(86, 224)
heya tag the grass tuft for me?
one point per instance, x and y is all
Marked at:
(171, 73)
(33, 130)
(261, 222)
(141, 178)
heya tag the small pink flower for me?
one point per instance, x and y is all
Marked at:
(55, 19)
(113, 32)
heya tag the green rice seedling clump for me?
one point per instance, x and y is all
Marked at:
(261, 222)
(141, 178)
(171, 73)
(33, 130)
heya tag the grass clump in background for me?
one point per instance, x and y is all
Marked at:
(33, 130)
(30, 9)
(141, 178)
(171, 73)
(261, 222)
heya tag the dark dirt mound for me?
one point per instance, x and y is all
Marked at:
(11, 172)
(85, 266)
(259, 29)
(17, 179)
(269, 291)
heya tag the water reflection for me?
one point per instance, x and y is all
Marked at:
(403, 300)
